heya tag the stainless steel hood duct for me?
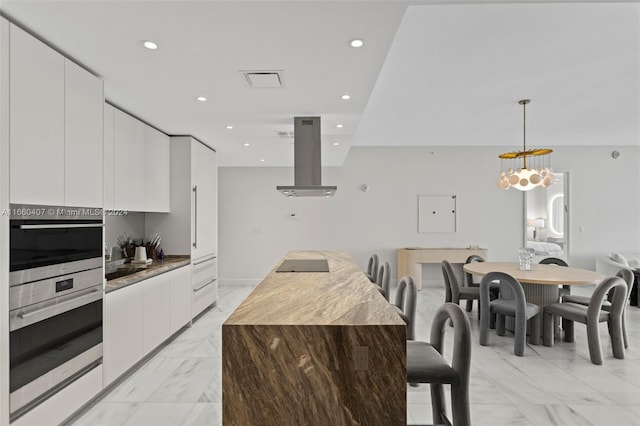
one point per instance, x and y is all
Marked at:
(307, 155)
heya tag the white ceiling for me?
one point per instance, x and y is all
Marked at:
(435, 75)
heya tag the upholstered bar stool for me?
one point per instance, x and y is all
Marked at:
(372, 268)
(426, 364)
(405, 304)
(383, 279)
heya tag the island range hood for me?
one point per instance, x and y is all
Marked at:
(306, 166)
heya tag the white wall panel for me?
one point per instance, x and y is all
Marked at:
(256, 228)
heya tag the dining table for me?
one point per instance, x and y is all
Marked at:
(540, 283)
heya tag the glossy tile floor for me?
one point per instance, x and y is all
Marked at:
(181, 384)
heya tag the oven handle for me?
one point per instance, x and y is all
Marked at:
(73, 301)
(63, 226)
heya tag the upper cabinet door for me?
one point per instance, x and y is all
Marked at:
(157, 171)
(204, 177)
(129, 162)
(84, 103)
(36, 91)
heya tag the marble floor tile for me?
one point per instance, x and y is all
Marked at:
(144, 382)
(188, 382)
(109, 413)
(598, 414)
(205, 414)
(161, 414)
(181, 384)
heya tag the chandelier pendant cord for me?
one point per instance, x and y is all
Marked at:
(524, 132)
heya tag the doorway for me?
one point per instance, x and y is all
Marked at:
(546, 219)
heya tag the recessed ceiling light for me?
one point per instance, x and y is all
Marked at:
(262, 160)
(339, 126)
(356, 42)
(247, 144)
(229, 127)
(345, 97)
(336, 143)
(201, 99)
(149, 45)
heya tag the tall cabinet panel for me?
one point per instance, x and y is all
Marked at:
(157, 169)
(36, 96)
(108, 157)
(129, 155)
(84, 103)
(192, 226)
(204, 178)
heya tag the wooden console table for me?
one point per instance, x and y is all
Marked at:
(314, 348)
(410, 260)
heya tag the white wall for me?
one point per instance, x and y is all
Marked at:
(131, 224)
(256, 230)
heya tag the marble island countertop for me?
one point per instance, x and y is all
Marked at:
(157, 267)
(314, 349)
(343, 296)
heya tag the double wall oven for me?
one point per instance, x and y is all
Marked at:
(55, 300)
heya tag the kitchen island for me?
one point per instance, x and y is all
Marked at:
(314, 348)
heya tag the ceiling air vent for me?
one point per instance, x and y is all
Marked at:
(264, 79)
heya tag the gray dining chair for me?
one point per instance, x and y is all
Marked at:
(592, 315)
(453, 291)
(494, 288)
(565, 289)
(426, 364)
(405, 304)
(372, 268)
(627, 276)
(516, 306)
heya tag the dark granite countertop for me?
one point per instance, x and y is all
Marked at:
(159, 266)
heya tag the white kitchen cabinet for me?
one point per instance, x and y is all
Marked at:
(141, 166)
(83, 149)
(156, 311)
(141, 316)
(55, 127)
(180, 298)
(108, 160)
(129, 161)
(204, 284)
(123, 330)
(36, 123)
(192, 225)
(157, 171)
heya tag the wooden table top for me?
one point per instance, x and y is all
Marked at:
(539, 274)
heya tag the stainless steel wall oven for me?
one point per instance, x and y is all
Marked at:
(55, 300)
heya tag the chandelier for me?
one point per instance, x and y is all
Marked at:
(526, 169)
